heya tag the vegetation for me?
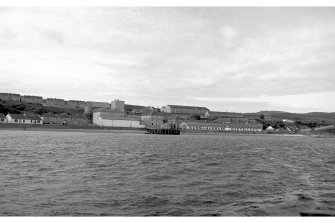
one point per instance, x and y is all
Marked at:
(16, 107)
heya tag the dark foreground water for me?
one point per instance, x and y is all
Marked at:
(70, 174)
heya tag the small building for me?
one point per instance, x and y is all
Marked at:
(50, 118)
(34, 119)
(3, 118)
(152, 119)
(15, 118)
(66, 119)
(79, 120)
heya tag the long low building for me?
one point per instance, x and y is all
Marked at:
(113, 121)
(209, 126)
(24, 119)
(181, 109)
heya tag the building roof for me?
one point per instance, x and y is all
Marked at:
(188, 107)
(17, 116)
(25, 117)
(33, 117)
(2, 115)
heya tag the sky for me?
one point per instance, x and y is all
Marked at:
(237, 59)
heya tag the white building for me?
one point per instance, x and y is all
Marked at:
(288, 121)
(3, 118)
(24, 119)
(112, 121)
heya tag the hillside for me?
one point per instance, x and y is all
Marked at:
(17, 107)
(305, 117)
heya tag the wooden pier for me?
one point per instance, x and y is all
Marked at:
(163, 131)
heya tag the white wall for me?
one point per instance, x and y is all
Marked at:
(10, 120)
(4, 121)
(117, 123)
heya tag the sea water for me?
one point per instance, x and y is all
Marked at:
(129, 174)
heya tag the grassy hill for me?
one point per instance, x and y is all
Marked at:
(301, 121)
(305, 117)
(17, 107)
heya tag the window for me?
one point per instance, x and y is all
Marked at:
(15, 120)
(23, 121)
(2, 119)
(38, 121)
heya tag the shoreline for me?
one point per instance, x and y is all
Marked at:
(69, 128)
(74, 130)
(242, 134)
(99, 129)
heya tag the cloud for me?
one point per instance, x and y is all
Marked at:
(170, 55)
(228, 32)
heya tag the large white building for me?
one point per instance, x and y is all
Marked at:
(112, 121)
(114, 116)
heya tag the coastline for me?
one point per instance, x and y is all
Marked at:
(240, 133)
(74, 130)
(61, 128)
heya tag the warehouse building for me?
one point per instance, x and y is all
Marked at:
(181, 109)
(113, 121)
(114, 116)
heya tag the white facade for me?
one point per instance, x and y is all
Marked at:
(3, 120)
(108, 119)
(111, 122)
(23, 119)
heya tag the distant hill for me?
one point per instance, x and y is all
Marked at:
(304, 117)
(270, 112)
(17, 107)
